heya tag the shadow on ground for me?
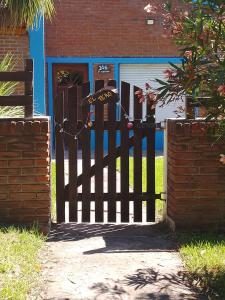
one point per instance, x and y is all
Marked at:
(124, 238)
(145, 278)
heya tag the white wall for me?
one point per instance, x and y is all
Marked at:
(139, 74)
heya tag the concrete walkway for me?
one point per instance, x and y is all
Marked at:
(110, 262)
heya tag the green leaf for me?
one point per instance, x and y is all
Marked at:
(162, 82)
(162, 94)
(20, 13)
(175, 66)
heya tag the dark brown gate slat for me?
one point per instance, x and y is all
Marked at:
(72, 122)
(137, 159)
(99, 113)
(86, 157)
(29, 109)
(150, 167)
(112, 158)
(65, 112)
(59, 154)
(124, 162)
(66, 102)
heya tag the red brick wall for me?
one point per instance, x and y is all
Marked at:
(18, 45)
(195, 182)
(25, 172)
(106, 28)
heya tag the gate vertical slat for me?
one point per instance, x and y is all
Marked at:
(150, 167)
(72, 120)
(137, 159)
(65, 113)
(59, 154)
(112, 158)
(29, 109)
(99, 152)
(66, 102)
(124, 162)
(86, 156)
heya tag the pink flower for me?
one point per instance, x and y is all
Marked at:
(222, 159)
(142, 99)
(188, 54)
(168, 17)
(177, 28)
(221, 90)
(169, 73)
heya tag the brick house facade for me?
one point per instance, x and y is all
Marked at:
(105, 28)
(99, 40)
(90, 36)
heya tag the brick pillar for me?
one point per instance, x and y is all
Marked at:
(25, 172)
(195, 178)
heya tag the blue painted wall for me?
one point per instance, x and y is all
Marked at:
(37, 53)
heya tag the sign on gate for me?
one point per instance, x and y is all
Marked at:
(103, 96)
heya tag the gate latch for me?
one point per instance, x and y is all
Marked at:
(161, 196)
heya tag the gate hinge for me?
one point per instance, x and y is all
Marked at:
(161, 196)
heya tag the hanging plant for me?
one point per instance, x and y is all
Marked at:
(66, 78)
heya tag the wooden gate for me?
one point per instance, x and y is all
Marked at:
(93, 141)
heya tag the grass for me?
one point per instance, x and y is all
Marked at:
(158, 173)
(158, 183)
(19, 262)
(158, 178)
(204, 258)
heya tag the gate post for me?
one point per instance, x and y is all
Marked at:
(195, 182)
(25, 189)
(165, 170)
